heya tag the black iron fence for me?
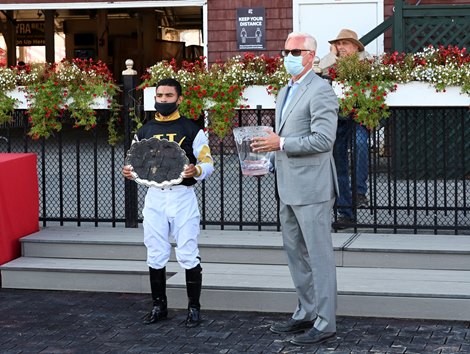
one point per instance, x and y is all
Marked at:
(417, 180)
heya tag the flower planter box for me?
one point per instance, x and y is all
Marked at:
(23, 103)
(20, 96)
(412, 94)
(421, 94)
(149, 98)
(254, 96)
(258, 95)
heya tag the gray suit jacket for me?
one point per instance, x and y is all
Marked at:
(305, 169)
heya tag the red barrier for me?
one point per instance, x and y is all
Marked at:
(19, 202)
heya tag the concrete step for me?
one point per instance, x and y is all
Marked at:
(376, 292)
(383, 275)
(127, 244)
(256, 247)
(407, 251)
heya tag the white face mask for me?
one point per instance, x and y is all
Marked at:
(293, 64)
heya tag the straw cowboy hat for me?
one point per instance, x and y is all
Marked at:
(348, 35)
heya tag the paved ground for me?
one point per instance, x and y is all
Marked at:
(82, 322)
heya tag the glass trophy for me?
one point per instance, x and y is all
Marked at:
(252, 163)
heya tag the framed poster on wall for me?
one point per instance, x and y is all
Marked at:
(251, 28)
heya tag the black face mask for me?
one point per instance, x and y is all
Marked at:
(165, 109)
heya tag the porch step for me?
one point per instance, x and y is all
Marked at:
(379, 275)
(256, 247)
(376, 292)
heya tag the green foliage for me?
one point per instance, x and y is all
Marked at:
(68, 86)
(47, 107)
(364, 95)
(218, 89)
(365, 84)
(7, 106)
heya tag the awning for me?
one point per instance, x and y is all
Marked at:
(18, 5)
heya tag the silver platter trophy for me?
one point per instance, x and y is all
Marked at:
(157, 162)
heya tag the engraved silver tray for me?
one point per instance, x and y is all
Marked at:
(157, 162)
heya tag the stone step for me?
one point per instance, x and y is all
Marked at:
(256, 247)
(376, 292)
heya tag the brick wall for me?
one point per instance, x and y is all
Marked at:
(222, 41)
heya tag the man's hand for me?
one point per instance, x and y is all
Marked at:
(127, 172)
(272, 142)
(334, 49)
(190, 171)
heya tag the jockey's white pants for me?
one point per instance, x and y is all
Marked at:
(171, 212)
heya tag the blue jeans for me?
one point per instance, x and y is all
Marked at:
(360, 145)
(362, 158)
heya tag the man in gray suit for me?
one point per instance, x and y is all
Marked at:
(306, 120)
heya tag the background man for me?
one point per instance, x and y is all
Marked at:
(306, 119)
(174, 210)
(347, 43)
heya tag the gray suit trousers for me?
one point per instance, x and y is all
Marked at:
(306, 233)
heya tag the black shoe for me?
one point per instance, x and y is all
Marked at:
(194, 317)
(313, 336)
(158, 313)
(362, 201)
(291, 326)
(343, 222)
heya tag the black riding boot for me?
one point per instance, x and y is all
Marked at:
(158, 287)
(193, 289)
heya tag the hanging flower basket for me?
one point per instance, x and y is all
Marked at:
(47, 91)
(219, 89)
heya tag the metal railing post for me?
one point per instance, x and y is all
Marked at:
(129, 78)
